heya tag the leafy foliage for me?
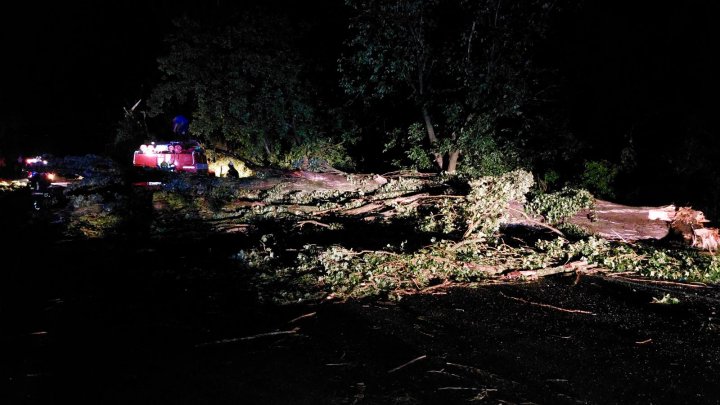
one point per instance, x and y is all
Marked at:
(667, 299)
(480, 212)
(130, 132)
(338, 271)
(246, 85)
(558, 206)
(655, 262)
(461, 239)
(466, 68)
(488, 201)
(599, 177)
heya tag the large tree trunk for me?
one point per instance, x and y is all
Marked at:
(439, 161)
(452, 161)
(625, 223)
(621, 222)
(455, 155)
(611, 221)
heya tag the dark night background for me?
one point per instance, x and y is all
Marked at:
(640, 70)
(74, 66)
(70, 68)
(162, 294)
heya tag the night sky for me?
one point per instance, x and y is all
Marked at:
(645, 63)
(70, 67)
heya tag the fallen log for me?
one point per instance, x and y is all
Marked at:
(614, 221)
(617, 222)
(608, 220)
(313, 196)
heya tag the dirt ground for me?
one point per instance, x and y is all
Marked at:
(96, 322)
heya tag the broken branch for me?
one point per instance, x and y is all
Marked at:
(233, 340)
(574, 311)
(407, 364)
(303, 317)
(299, 224)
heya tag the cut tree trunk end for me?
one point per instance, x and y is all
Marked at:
(630, 224)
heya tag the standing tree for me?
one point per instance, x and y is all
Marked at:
(465, 66)
(244, 82)
(130, 131)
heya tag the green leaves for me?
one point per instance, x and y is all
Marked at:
(559, 206)
(467, 68)
(488, 200)
(246, 85)
(667, 299)
(599, 177)
(480, 213)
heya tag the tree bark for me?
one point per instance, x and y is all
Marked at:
(439, 161)
(452, 161)
(455, 155)
(630, 224)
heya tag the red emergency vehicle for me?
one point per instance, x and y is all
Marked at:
(186, 156)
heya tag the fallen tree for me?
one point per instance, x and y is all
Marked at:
(311, 235)
(384, 197)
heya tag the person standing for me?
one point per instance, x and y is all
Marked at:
(232, 172)
(180, 126)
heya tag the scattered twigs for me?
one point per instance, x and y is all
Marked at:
(240, 339)
(385, 202)
(378, 252)
(450, 196)
(464, 389)
(370, 204)
(311, 314)
(299, 224)
(443, 372)
(467, 242)
(407, 364)
(573, 311)
(482, 373)
(579, 267)
(228, 227)
(363, 209)
(444, 284)
(408, 173)
(622, 273)
(566, 268)
(663, 282)
(536, 222)
(328, 210)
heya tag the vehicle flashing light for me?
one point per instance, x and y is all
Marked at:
(35, 160)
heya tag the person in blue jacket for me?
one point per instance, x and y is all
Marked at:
(180, 125)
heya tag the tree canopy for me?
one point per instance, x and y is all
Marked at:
(474, 87)
(246, 86)
(468, 68)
